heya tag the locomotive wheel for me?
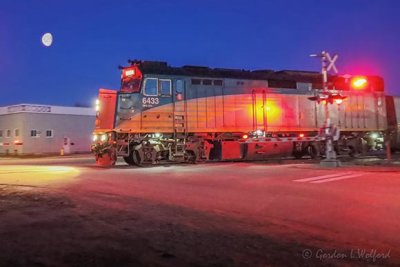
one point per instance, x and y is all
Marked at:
(299, 150)
(353, 153)
(313, 151)
(298, 154)
(113, 156)
(129, 160)
(137, 158)
(191, 157)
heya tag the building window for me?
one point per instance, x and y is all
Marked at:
(1, 133)
(49, 133)
(8, 133)
(239, 83)
(165, 87)
(34, 133)
(151, 87)
(16, 132)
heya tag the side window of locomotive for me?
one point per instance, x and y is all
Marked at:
(218, 82)
(196, 81)
(165, 87)
(151, 87)
(180, 86)
(207, 82)
(126, 101)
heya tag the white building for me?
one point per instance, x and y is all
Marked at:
(41, 129)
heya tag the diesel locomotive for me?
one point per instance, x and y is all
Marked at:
(194, 113)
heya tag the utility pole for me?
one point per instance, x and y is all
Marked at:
(329, 130)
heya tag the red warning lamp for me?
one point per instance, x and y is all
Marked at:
(245, 136)
(359, 82)
(131, 78)
(129, 73)
(301, 135)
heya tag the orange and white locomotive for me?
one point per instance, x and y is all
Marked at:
(191, 113)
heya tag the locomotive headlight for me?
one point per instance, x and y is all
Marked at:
(95, 137)
(157, 135)
(104, 137)
(97, 105)
(259, 133)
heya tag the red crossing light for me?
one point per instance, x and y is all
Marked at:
(359, 82)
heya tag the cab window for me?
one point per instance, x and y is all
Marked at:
(151, 87)
(165, 87)
(180, 86)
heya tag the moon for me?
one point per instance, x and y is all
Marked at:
(47, 39)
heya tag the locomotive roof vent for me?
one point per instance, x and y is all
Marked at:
(154, 64)
(195, 67)
(149, 64)
(265, 71)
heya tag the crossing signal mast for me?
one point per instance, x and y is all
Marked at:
(327, 97)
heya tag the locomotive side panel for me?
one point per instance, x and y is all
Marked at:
(290, 111)
(243, 112)
(381, 107)
(397, 122)
(307, 114)
(371, 119)
(320, 114)
(211, 108)
(235, 105)
(228, 113)
(157, 120)
(393, 119)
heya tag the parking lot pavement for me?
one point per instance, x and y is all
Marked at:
(215, 214)
(75, 160)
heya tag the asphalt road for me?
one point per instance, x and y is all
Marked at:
(67, 212)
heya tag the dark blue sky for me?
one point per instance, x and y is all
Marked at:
(91, 38)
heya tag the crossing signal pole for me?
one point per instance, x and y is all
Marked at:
(329, 130)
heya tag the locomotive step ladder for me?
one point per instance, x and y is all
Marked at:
(179, 149)
(180, 130)
(179, 134)
(179, 123)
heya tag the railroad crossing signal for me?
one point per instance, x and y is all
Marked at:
(359, 83)
(331, 61)
(328, 99)
(328, 62)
